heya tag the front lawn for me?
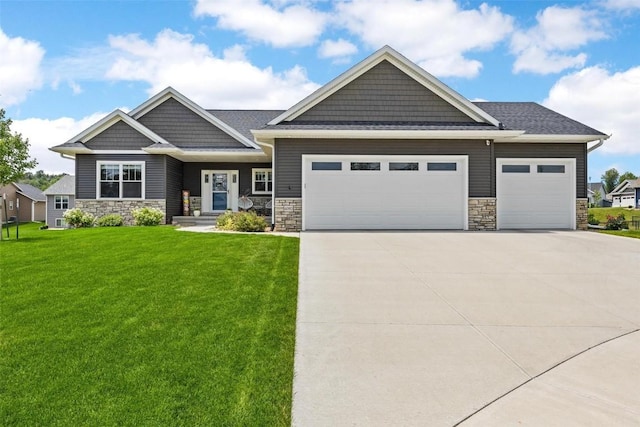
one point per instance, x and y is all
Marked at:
(602, 213)
(624, 233)
(146, 326)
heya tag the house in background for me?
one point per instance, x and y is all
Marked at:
(385, 145)
(626, 194)
(60, 197)
(597, 195)
(31, 199)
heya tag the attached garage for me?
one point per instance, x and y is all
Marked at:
(384, 192)
(536, 193)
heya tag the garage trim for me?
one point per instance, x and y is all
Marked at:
(462, 159)
(534, 163)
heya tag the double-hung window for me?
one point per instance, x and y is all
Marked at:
(262, 181)
(61, 202)
(120, 180)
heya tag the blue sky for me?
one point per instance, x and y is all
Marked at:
(65, 64)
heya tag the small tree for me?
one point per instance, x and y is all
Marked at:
(14, 153)
(625, 176)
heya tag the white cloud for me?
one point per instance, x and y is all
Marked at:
(434, 33)
(544, 48)
(338, 49)
(622, 4)
(173, 59)
(605, 101)
(278, 23)
(44, 133)
(19, 68)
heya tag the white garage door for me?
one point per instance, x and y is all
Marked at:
(536, 193)
(384, 192)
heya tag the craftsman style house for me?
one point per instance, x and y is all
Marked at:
(385, 145)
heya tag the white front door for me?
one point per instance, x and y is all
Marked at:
(219, 190)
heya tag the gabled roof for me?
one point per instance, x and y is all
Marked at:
(417, 73)
(170, 92)
(30, 192)
(77, 144)
(245, 120)
(625, 186)
(65, 185)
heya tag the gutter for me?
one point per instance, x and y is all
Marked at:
(598, 144)
(273, 182)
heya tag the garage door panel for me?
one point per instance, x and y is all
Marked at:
(385, 199)
(537, 199)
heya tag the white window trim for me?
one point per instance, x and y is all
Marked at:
(62, 202)
(10, 205)
(120, 163)
(60, 223)
(253, 180)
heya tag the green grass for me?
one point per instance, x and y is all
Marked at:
(146, 326)
(601, 213)
(625, 233)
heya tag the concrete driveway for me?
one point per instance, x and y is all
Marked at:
(441, 328)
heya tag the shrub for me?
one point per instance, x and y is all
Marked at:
(77, 218)
(616, 222)
(591, 219)
(147, 216)
(241, 221)
(110, 220)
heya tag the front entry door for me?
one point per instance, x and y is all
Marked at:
(219, 190)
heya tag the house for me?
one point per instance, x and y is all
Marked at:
(597, 195)
(27, 198)
(60, 197)
(626, 194)
(385, 145)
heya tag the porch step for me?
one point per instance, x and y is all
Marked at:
(190, 221)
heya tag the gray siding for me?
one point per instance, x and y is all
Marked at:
(120, 136)
(53, 213)
(386, 94)
(184, 128)
(577, 151)
(86, 173)
(192, 175)
(288, 158)
(173, 187)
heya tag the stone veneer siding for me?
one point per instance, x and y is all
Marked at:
(482, 214)
(100, 208)
(288, 214)
(582, 213)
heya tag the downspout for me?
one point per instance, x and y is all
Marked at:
(598, 144)
(273, 183)
(66, 156)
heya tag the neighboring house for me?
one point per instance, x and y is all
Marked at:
(31, 201)
(385, 145)
(60, 197)
(597, 195)
(625, 194)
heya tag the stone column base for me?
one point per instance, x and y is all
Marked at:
(582, 214)
(288, 214)
(482, 214)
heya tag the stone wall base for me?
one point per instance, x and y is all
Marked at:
(582, 214)
(288, 214)
(100, 208)
(482, 214)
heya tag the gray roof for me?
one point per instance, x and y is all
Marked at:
(31, 192)
(535, 119)
(596, 186)
(245, 120)
(65, 185)
(382, 126)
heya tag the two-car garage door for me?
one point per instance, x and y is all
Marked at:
(384, 192)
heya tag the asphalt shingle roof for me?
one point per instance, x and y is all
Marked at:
(245, 120)
(65, 185)
(31, 192)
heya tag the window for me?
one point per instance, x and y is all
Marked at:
(442, 166)
(10, 205)
(60, 223)
(515, 168)
(550, 168)
(365, 166)
(262, 181)
(121, 180)
(326, 166)
(397, 166)
(61, 202)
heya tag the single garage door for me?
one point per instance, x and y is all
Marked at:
(536, 193)
(384, 192)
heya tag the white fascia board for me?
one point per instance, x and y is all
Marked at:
(71, 151)
(267, 135)
(404, 64)
(170, 92)
(533, 138)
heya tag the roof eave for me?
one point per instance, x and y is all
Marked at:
(267, 135)
(565, 138)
